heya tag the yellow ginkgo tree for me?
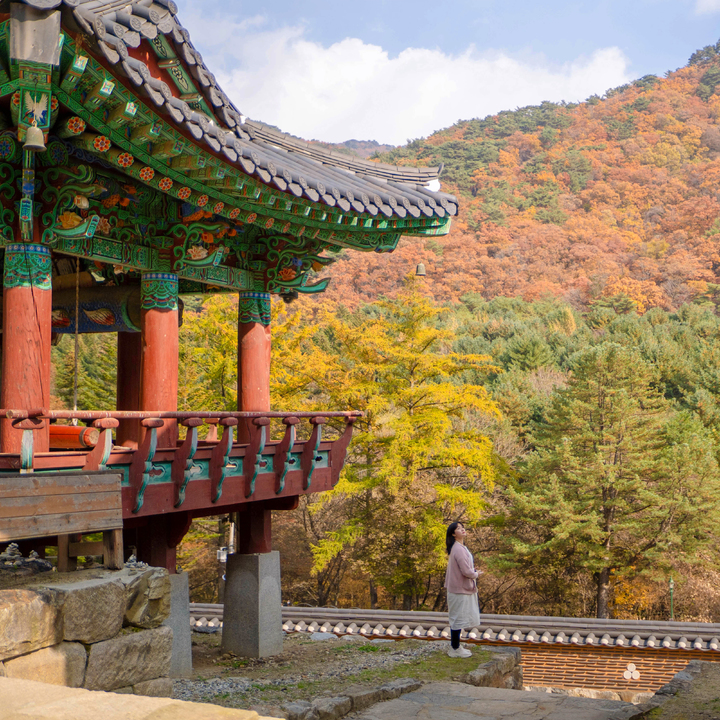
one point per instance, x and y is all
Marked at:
(416, 461)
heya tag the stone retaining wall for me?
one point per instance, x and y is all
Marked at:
(98, 630)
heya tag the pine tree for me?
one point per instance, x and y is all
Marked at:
(619, 482)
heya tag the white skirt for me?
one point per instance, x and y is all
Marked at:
(464, 611)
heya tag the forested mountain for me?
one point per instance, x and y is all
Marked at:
(613, 199)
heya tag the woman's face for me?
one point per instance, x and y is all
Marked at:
(460, 532)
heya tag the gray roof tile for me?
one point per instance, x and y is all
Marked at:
(291, 165)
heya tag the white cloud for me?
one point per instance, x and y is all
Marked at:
(703, 7)
(355, 90)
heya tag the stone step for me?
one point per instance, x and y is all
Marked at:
(30, 700)
(464, 702)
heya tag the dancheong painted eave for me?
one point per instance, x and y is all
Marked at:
(144, 42)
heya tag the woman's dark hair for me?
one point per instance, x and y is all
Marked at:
(450, 535)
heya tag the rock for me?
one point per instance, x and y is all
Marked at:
(124, 690)
(332, 708)
(160, 687)
(92, 610)
(396, 688)
(300, 710)
(363, 697)
(320, 636)
(2, 670)
(269, 711)
(29, 620)
(129, 659)
(381, 641)
(148, 594)
(62, 664)
(353, 638)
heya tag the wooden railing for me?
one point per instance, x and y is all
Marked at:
(209, 462)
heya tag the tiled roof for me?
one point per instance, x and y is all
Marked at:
(287, 163)
(638, 634)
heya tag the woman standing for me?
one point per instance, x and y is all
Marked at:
(461, 587)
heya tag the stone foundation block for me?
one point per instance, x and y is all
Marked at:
(129, 659)
(160, 687)
(179, 621)
(252, 618)
(62, 664)
(148, 595)
(29, 620)
(92, 610)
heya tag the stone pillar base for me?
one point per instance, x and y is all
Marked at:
(179, 621)
(252, 620)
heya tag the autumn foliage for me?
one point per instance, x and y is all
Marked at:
(616, 197)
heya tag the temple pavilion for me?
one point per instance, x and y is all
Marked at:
(127, 179)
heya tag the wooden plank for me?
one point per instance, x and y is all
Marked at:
(18, 507)
(47, 525)
(35, 484)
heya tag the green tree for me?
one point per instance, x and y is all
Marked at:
(97, 371)
(619, 482)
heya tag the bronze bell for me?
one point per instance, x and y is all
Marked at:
(420, 270)
(34, 139)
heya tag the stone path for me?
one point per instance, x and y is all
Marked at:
(457, 701)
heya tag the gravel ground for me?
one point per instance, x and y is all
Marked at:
(303, 664)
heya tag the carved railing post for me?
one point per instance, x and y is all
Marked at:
(284, 460)
(309, 454)
(142, 464)
(212, 433)
(258, 429)
(183, 464)
(219, 459)
(27, 450)
(98, 457)
(338, 451)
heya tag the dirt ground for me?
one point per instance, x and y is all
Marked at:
(307, 669)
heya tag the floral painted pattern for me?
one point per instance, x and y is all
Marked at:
(197, 253)
(218, 208)
(125, 160)
(147, 174)
(165, 184)
(202, 201)
(184, 193)
(234, 213)
(102, 143)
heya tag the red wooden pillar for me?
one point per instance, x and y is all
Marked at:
(129, 358)
(253, 355)
(159, 360)
(254, 535)
(156, 542)
(27, 310)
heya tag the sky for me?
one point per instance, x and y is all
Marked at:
(396, 70)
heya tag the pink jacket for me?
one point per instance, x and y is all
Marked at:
(460, 575)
